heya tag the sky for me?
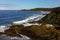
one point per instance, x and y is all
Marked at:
(28, 4)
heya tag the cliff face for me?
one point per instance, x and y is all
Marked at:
(53, 17)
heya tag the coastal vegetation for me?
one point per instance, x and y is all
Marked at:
(38, 9)
(52, 18)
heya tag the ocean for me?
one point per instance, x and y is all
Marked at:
(8, 17)
(12, 16)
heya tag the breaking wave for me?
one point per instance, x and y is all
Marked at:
(30, 19)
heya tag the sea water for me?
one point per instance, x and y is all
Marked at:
(11, 16)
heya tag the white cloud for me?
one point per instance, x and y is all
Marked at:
(7, 6)
(3, 8)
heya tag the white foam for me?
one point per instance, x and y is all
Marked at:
(4, 27)
(49, 25)
(45, 12)
(20, 22)
(29, 19)
(27, 24)
(14, 38)
(34, 17)
(30, 24)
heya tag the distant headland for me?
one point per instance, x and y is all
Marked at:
(39, 9)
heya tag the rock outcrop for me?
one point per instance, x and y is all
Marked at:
(52, 18)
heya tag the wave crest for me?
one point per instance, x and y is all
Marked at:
(30, 19)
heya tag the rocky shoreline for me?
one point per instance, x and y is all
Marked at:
(35, 32)
(46, 29)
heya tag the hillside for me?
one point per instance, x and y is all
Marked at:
(52, 18)
(37, 9)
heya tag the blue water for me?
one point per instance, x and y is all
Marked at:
(9, 16)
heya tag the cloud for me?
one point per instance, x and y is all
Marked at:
(3, 8)
(7, 6)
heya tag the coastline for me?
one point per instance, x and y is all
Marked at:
(37, 30)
